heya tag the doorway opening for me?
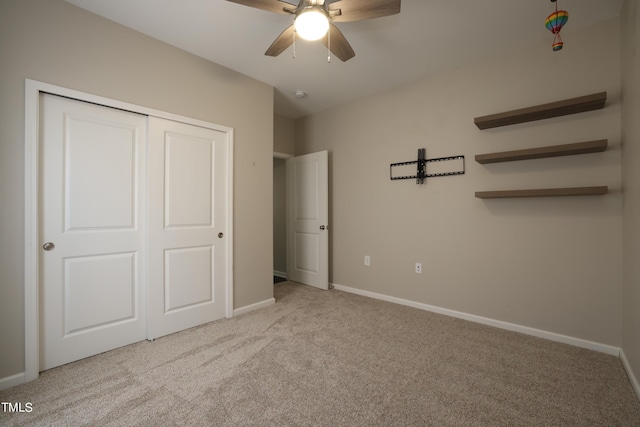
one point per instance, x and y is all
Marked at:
(306, 236)
(280, 217)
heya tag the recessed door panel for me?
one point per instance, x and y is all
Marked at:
(188, 277)
(307, 248)
(99, 291)
(100, 173)
(306, 191)
(188, 180)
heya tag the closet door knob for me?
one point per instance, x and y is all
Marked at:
(49, 246)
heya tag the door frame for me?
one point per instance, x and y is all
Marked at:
(33, 89)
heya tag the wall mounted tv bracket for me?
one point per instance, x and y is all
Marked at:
(443, 166)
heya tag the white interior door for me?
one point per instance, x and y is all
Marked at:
(187, 226)
(93, 294)
(308, 214)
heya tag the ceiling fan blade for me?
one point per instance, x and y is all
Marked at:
(281, 43)
(276, 6)
(340, 47)
(358, 10)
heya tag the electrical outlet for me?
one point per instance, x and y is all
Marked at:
(367, 260)
(418, 267)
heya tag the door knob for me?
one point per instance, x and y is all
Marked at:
(49, 246)
(322, 227)
(220, 235)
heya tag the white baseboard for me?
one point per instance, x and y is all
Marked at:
(577, 342)
(11, 381)
(281, 274)
(630, 373)
(252, 307)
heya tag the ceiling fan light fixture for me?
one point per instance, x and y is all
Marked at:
(312, 24)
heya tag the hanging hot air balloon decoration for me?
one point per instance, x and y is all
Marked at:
(554, 23)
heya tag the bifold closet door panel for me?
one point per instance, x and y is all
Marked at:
(187, 225)
(92, 229)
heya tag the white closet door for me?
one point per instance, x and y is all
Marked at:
(187, 226)
(92, 264)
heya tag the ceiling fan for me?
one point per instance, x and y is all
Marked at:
(314, 20)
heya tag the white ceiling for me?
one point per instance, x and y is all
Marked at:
(428, 36)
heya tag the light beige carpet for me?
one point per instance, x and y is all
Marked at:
(319, 358)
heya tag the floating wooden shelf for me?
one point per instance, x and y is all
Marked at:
(542, 152)
(543, 192)
(544, 111)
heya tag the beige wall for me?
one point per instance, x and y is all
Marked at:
(283, 134)
(550, 264)
(55, 42)
(631, 183)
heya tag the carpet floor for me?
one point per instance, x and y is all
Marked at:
(330, 358)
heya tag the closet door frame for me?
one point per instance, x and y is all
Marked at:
(33, 89)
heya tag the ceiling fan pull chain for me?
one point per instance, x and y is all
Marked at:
(329, 46)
